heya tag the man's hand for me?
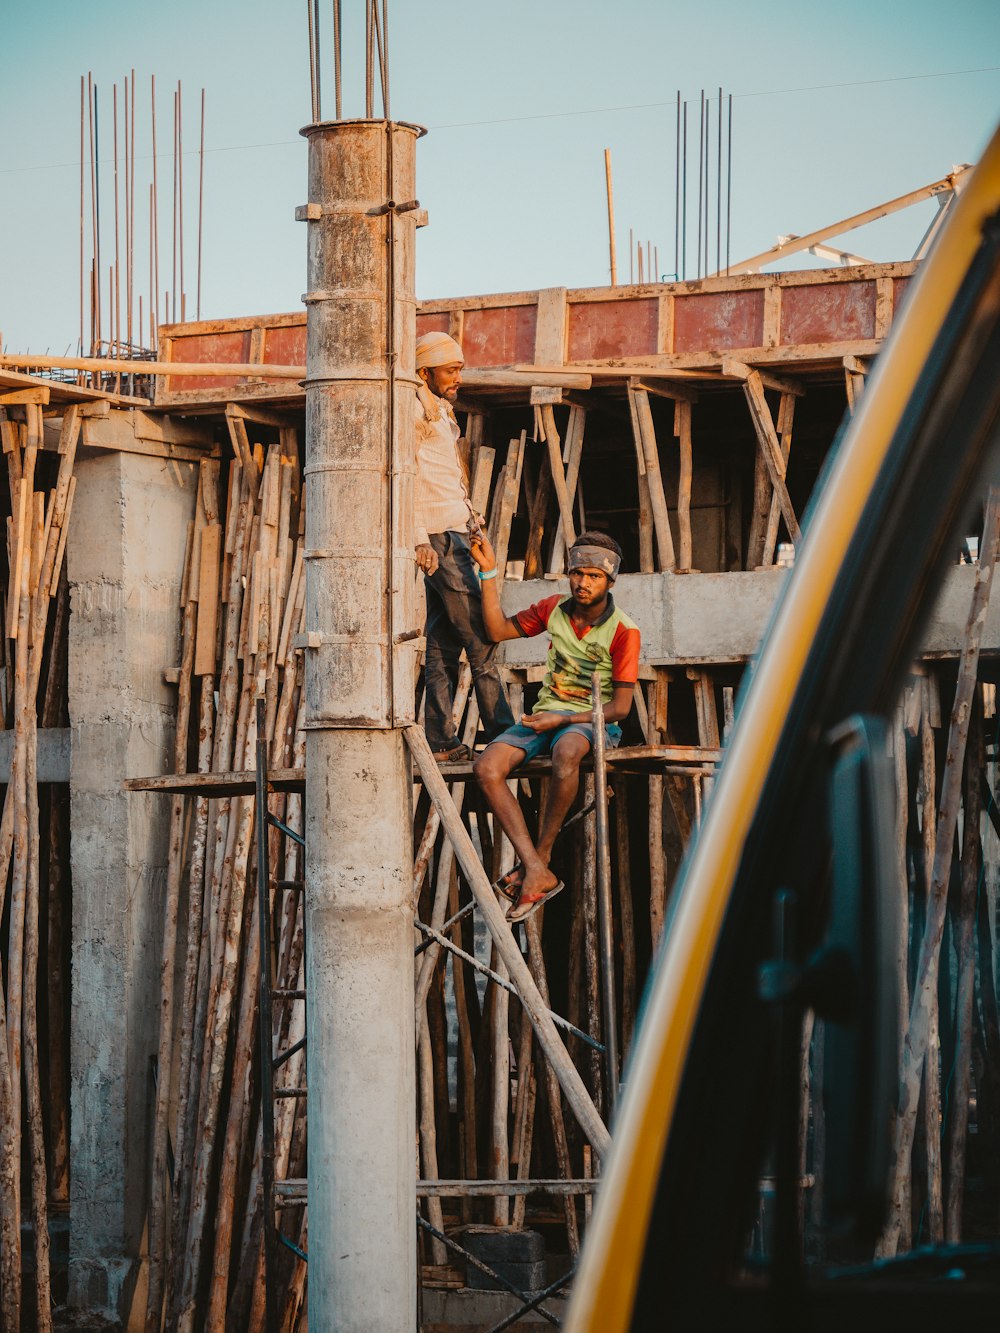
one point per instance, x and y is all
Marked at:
(546, 721)
(482, 550)
(427, 558)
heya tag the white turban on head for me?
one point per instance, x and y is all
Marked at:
(438, 349)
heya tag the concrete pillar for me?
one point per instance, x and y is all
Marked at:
(125, 553)
(359, 692)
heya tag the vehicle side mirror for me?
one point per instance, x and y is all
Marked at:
(854, 976)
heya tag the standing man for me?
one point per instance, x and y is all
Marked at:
(444, 522)
(588, 634)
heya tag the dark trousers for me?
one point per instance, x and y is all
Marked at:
(454, 622)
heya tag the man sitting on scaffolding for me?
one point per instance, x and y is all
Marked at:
(588, 633)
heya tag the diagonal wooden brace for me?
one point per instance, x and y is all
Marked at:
(770, 449)
(566, 1071)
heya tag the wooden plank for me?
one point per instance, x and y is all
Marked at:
(665, 387)
(682, 430)
(39, 396)
(770, 449)
(772, 315)
(117, 432)
(550, 339)
(786, 416)
(740, 370)
(654, 479)
(553, 444)
(665, 323)
(884, 306)
(208, 600)
(797, 244)
(574, 454)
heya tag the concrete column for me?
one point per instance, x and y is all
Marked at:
(359, 692)
(125, 553)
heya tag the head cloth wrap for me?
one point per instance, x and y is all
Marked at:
(595, 557)
(438, 349)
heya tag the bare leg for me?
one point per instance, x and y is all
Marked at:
(492, 769)
(566, 755)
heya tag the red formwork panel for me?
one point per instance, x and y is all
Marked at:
(602, 329)
(709, 320)
(828, 312)
(286, 346)
(231, 345)
(432, 323)
(899, 287)
(499, 335)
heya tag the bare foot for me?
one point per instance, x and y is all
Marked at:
(537, 883)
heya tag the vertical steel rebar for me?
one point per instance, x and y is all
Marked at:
(708, 180)
(173, 277)
(605, 917)
(131, 209)
(95, 191)
(83, 93)
(201, 200)
(319, 63)
(337, 45)
(700, 172)
(313, 94)
(116, 331)
(154, 304)
(729, 181)
(718, 195)
(684, 198)
(385, 55)
(369, 63)
(677, 193)
(128, 231)
(180, 192)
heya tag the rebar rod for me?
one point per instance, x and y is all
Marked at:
(337, 45)
(313, 98)
(201, 201)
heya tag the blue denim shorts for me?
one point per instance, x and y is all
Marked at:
(538, 744)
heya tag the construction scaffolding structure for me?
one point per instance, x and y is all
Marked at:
(691, 421)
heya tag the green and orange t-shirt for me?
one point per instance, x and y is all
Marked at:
(610, 647)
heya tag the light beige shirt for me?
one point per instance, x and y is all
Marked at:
(441, 500)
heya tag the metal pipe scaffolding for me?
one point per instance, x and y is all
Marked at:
(359, 688)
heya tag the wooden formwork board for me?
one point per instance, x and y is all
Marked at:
(815, 316)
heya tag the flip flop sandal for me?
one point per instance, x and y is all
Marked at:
(507, 886)
(521, 912)
(456, 755)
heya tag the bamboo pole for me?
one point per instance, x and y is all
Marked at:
(536, 961)
(611, 216)
(918, 1035)
(175, 864)
(645, 439)
(32, 1079)
(10, 1167)
(786, 416)
(563, 494)
(682, 430)
(569, 1079)
(975, 760)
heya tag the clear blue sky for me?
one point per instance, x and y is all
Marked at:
(834, 111)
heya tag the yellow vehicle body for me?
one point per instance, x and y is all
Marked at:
(604, 1294)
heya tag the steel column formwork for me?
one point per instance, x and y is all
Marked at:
(359, 679)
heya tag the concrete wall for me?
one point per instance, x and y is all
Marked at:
(125, 555)
(723, 617)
